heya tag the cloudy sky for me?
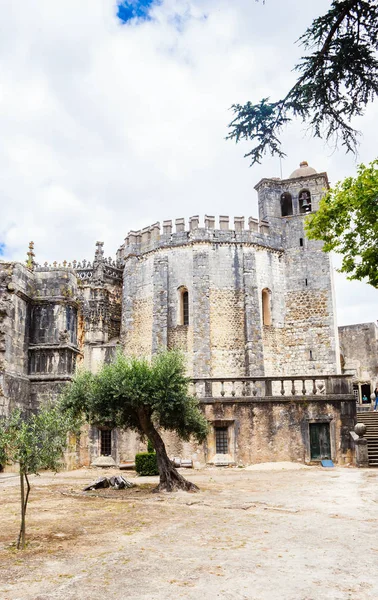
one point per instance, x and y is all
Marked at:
(114, 117)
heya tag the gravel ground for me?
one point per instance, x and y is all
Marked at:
(266, 534)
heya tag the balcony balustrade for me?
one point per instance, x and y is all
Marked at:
(260, 388)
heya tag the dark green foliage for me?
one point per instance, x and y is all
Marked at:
(146, 463)
(150, 446)
(347, 222)
(119, 393)
(338, 78)
(133, 393)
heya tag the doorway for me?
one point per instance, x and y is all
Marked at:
(320, 441)
(365, 393)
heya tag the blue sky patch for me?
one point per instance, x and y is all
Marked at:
(2, 249)
(133, 9)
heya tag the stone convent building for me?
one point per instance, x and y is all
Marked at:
(249, 301)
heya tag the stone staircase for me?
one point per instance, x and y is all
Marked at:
(370, 419)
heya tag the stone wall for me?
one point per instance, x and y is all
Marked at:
(276, 430)
(259, 431)
(225, 279)
(52, 317)
(15, 284)
(38, 328)
(303, 336)
(359, 352)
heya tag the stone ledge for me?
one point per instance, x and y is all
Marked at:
(54, 347)
(56, 377)
(324, 398)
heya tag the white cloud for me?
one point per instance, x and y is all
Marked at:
(109, 127)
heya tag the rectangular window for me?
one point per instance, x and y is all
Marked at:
(356, 392)
(106, 442)
(221, 440)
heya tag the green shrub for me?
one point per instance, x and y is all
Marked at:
(150, 447)
(146, 463)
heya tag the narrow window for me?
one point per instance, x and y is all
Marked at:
(266, 308)
(106, 442)
(221, 440)
(311, 357)
(301, 241)
(185, 308)
(304, 202)
(286, 204)
(356, 393)
(306, 282)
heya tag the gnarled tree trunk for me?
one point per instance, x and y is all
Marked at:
(170, 478)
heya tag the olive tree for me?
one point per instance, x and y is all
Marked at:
(34, 442)
(145, 396)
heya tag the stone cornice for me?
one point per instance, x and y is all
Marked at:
(209, 243)
(279, 183)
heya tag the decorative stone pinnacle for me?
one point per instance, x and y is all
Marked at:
(30, 262)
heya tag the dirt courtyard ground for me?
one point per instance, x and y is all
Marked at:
(303, 534)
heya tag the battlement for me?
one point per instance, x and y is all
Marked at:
(241, 230)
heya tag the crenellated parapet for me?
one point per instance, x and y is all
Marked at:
(238, 230)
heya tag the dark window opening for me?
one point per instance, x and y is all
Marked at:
(301, 241)
(185, 308)
(365, 392)
(311, 357)
(106, 442)
(304, 202)
(286, 204)
(306, 282)
(221, 440)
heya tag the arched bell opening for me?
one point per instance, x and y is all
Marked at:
(286, 204)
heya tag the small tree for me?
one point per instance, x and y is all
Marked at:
(143, 396)
(35, 442)
(347, 222)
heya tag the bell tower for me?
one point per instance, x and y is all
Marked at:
(292, 197)
(310, 330)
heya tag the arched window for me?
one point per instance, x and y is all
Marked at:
(286, 204)
(184, 306)
(266, 307)
(304, 202)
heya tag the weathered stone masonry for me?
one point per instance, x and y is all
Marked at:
(260, 303)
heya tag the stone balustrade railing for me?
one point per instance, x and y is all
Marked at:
(288, 387)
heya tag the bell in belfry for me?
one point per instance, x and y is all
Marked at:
(305, 201)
